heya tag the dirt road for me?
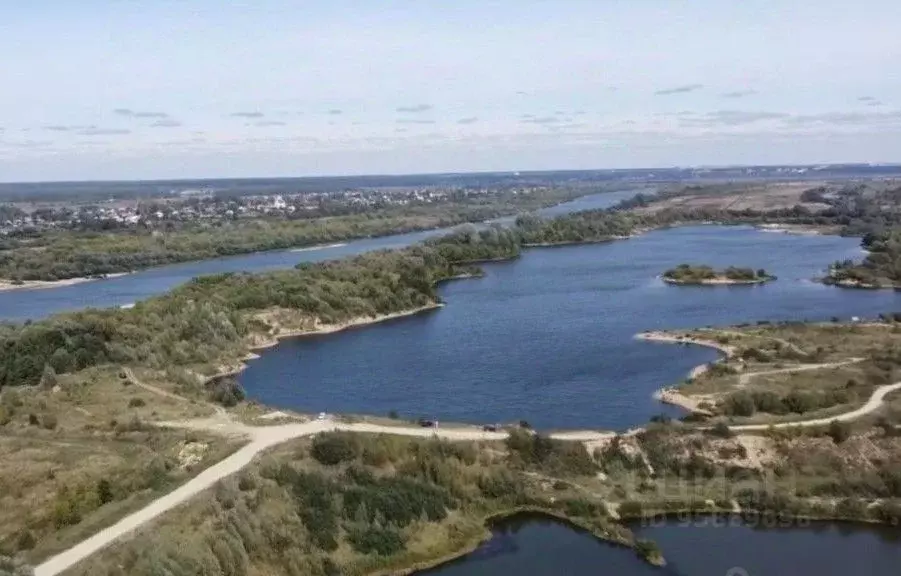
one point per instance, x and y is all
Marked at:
(265, 437)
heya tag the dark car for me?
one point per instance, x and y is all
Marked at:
(489, 428)
(426, 423)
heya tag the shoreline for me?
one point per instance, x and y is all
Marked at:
(318, 247)
(9, 286)
(671, 394)
(487, 534)
(274, 340)
(718, 281)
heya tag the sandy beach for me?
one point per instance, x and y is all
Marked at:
(7, 285)
(671, 395)
(319, 247)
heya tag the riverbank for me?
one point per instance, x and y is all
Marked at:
(318, 247)
(671, 394)
(7, 285)
(263, 342)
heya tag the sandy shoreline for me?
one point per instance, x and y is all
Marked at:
(6, 285)
(717, 281)
(670, 394)
(318, 247)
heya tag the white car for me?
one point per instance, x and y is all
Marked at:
(322, 416)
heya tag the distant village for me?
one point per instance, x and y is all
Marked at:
(194, 205)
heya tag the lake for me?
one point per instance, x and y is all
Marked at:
(19, 305)
(549, 337)
(530, 546)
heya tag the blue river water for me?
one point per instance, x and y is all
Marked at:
(548, 338)
(530, 546)
(20, 305)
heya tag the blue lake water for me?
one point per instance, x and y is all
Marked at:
(538, 547)
(18, 305)
(549, 338)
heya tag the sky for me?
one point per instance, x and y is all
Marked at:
(153, 89)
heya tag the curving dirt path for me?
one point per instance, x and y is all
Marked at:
(871, 405)
(743, 379)
(265, 437)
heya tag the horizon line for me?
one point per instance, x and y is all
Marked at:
(456, 173)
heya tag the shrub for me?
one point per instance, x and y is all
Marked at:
(332, 448)
(104, 491)
(246, 483)
(839, 431)
(739, 404)
(225, 391)
(49, 421)
(376, 540)
(648, 550)
(136, 403)
(25, 541)
(721, 430)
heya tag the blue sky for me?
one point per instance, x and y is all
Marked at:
(117, 89)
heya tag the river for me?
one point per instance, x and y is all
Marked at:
(549, 337)
(532, 546)
(19, 305)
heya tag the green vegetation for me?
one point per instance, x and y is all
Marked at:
(377, 504)
(81, 455)
(73, 419)
(881, 267)
(55, 255)
(783, 371)
(699, 274)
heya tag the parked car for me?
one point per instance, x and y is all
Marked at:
(489, 428)
(426, 423)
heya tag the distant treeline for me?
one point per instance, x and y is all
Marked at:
(57, 255)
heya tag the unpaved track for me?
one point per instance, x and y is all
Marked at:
(871, 405)
(265, 437)
(743, 379)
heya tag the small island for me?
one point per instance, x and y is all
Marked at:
(707, 276)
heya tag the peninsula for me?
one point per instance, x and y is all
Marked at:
(702, 275)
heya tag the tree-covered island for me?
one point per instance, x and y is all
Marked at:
(708, 276)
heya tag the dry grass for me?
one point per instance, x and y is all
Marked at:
(752, 196)
(58, 444)
(850, 359)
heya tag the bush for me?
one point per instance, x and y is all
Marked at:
(721, 430)
(332, 448)
(648, 550)
(136, 403)
(25, 541)
(839, 431)
(104, 491)
(225, 391)
(49, 421)
(739, 404)
(246, 483)
(376, 540)
(13, 567)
